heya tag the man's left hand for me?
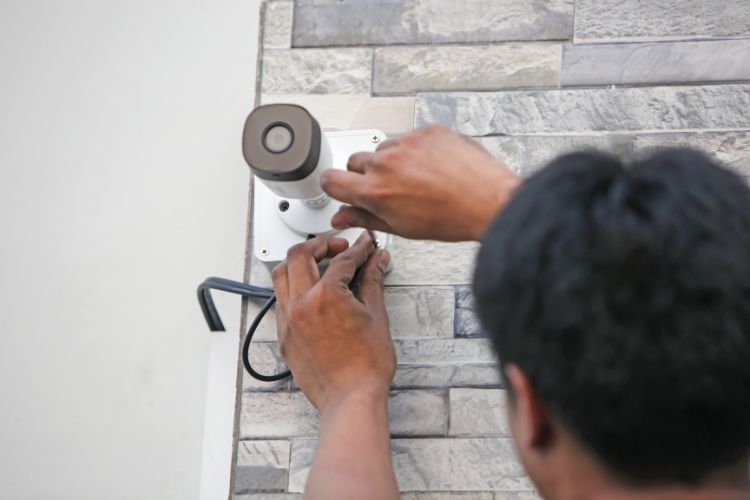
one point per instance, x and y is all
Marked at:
(335, 343)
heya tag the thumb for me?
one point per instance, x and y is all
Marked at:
(373, 279)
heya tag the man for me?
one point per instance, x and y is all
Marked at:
(618, 301)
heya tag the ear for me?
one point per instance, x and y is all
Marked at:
(533, 424)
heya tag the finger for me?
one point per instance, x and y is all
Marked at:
(342, 267)
(280, 283)
(390, 143)
(373, 279)
(302, 262)
(347, 187)
(359, 162)
(359, 217)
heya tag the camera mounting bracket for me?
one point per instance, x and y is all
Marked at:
(279, 223)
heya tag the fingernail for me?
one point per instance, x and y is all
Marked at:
(384, 259)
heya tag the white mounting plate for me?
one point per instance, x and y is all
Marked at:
(271, 236)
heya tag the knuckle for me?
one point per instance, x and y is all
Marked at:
(378, 279)
(296, 250)
(278, 271)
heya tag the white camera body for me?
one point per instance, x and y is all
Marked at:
(288, 152)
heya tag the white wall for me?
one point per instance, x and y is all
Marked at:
(122, 186)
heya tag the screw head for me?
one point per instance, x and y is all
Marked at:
(283, 205)
(375, 139)
(264, 252)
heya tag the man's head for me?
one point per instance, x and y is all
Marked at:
(618, 300)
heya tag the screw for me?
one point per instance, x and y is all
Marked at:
(264, 252)
(283, 205)
(375, 139)
(377, 243)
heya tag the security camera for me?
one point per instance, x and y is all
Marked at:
(288, 152)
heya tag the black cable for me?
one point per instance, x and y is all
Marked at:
(214, 321)
(246, 346)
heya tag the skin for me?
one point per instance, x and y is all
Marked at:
(339, 348)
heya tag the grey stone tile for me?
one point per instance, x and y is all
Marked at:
(528, 154)
(273, 415)
(262, 466)
(449, 495)
(732, 149)
(484, 464)
(282, 415)
(603, 20)
(478, 412)
(441, 376)
(626, 64)
(517, 495)
(418, 413)
(317, 71)
(444, 351)
(269, 496)
(385, 22)
(466, 322)
(404, 70)
(278, 16)
(391, 115)
(423, 262)
(414, 312)
(586, 111)
(420, 311)
(265, 358)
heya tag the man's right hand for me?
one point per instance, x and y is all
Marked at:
(428, 184)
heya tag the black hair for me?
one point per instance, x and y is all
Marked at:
(623, 294)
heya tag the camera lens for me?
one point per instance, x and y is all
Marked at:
(278, 139)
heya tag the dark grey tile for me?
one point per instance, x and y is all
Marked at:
(684, 62)
(466, 323)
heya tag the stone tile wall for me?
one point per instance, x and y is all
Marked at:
(530, 81)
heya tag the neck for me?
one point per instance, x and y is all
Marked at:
(580, 477)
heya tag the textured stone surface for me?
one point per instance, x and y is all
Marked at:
(420, 311)
(277, 24)
(444, 351)
(621, 64)
(262, 466)
(317, 71)
(289, 414)
(456, 464)
(277, 415)
(404, 70)
(470, 495)
(385, 22)
(527, 154)
(418, 413)
(517, 495)
(265, 358)
(732, 148)
(478, 412)
(268, 496)
(420, 262)
(447, 375)
(413, 311)
(466, 323)
(601, 20)
(583, 111)
(392, 115)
